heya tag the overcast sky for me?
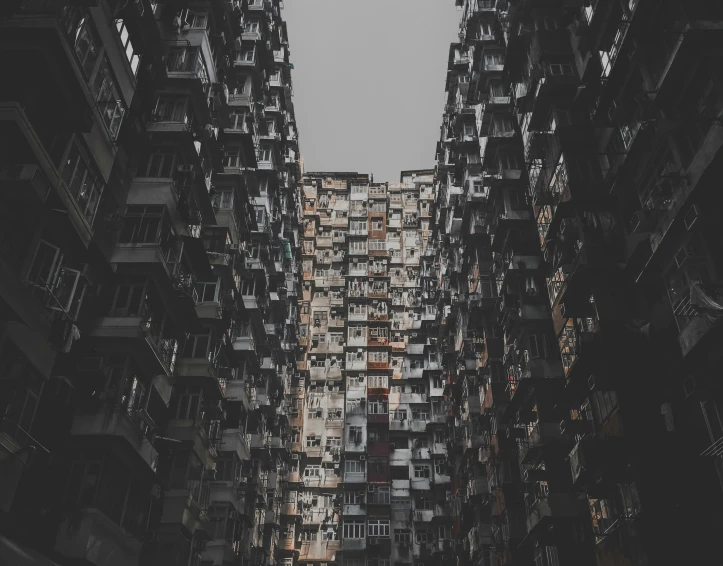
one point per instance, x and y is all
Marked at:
(369, 81)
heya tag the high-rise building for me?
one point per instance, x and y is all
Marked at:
(374, 482)
(210, 359)
(580, 257)
(148, 281)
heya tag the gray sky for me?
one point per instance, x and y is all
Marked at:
(369, 81)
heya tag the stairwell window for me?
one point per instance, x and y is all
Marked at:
(125, 38)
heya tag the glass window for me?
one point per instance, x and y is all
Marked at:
(87, 46)
(108, 99)
(83, 181)
(131, 55)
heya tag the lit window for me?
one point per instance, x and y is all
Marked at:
(131, 55)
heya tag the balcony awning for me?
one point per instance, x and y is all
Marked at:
(18, 555)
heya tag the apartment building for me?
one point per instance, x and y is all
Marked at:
(579, 293)
(374, 483)
(148, 281)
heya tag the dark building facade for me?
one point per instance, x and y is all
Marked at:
(208, 359)
(580, 254)
(148, 280)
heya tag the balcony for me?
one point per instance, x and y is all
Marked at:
(358, 509)
(355, 477)
(117, 423)
(90, 530)
(354, 544)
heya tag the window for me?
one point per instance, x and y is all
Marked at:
(378, 528)
(143, 225)
(87, 46)
(354, 467)
(18, 405)
(232, 157)
(313, 441)
(329, 532)
(128, 299)
(66, 285)
(422, 503)
(131, 55)
(402, 536)
(378, 356)
(182, 59)
(423, 536)
(308, 534)
(420, 414)
(604, 404)
(83, 181)
(440, 467)
(353, 529)
(399, 415)
(353, 497)
(378, 382)
(108, 99)
(355, 434)
(312, 471)
(208, 292)
(377, 407)
(251, 26)
(188, 405)
(315, 414)
(492, 59)
(246, 56)
(197, 19)
(159, 164)
(380, 495)
(265, 154)
(421, 471)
